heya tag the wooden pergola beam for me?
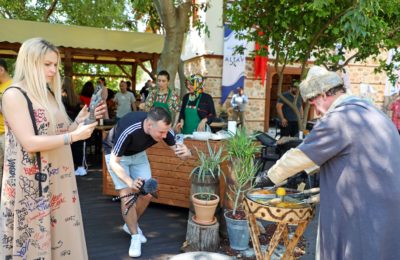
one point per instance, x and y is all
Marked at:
(92, 56)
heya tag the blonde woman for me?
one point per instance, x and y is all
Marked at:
(40, 211)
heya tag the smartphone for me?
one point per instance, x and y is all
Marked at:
(179, 139)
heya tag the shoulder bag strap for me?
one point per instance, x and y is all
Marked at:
(40, 177)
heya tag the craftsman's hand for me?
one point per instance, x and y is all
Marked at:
(284, 122)
(182, 151)
(263, 180)
(136, 184)
(313, 199)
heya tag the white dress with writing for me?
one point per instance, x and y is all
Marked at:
(47, 227)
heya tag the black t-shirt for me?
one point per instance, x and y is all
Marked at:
(128, 136)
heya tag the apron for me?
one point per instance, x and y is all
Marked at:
(192, 118)
(161, 104)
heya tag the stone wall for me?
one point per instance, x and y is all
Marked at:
(210, 66)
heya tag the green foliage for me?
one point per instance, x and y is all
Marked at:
(145, 11)
(241, 145)
(241, 150)
(298, 30)
(209, 163)
(244, 172)
(112, 14)
(206, 196)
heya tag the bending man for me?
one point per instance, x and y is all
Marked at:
(128, 165)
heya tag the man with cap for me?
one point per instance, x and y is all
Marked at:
(5, 82)
(288, 118)
(356, 147)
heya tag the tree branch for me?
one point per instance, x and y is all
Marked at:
(124, 71)
(50, 11)
(140, 63)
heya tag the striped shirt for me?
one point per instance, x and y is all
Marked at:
(128, 136)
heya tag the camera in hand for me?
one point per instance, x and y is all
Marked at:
(149, 186)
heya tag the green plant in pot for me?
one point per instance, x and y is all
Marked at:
(205, 183)
(241, 149)
(205, 205)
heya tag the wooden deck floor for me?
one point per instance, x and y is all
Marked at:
(164, 226)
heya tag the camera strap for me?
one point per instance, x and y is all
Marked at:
(39, 176)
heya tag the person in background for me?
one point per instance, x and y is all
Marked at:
(125, 155)
(394, 107)
(238, 103)
(124, 100)
(288, 119)
(144, 92)
(111, 106)
(163, 96)
(197, 107)
(73, 106)
(129, 86)
(5, 82)
(39, 193)
(86, 93)
(357, 149)
(104, 94)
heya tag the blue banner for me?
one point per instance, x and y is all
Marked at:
(233, 64)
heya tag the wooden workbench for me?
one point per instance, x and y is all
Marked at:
(171, 173)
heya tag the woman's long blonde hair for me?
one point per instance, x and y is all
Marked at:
(29, 72)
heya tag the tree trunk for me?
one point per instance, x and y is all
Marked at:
(202, 238)
(175, 21)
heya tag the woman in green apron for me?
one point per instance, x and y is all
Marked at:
(197, 107)
(162, 96)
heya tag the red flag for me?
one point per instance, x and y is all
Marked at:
(260, 63)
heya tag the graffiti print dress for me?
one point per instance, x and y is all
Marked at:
(47, 227)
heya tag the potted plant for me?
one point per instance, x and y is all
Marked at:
(205, 183)
(205, 205)
(241, 150)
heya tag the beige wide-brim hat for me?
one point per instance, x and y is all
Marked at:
(319, 80)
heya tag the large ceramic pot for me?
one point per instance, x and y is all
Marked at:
(205, 205)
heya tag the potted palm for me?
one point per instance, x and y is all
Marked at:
(241, 150)
(205, 184)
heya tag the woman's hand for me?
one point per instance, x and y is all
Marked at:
(83, 132)
(179, 126)
(202, 125)
(99, 112)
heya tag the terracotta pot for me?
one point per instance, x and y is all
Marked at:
(205, 208)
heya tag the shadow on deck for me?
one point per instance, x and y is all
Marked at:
(164, 226)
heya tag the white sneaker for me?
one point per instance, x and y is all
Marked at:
(143, 239)
(82, 171)
(135, 249)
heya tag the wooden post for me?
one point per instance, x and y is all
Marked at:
(202, 238)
